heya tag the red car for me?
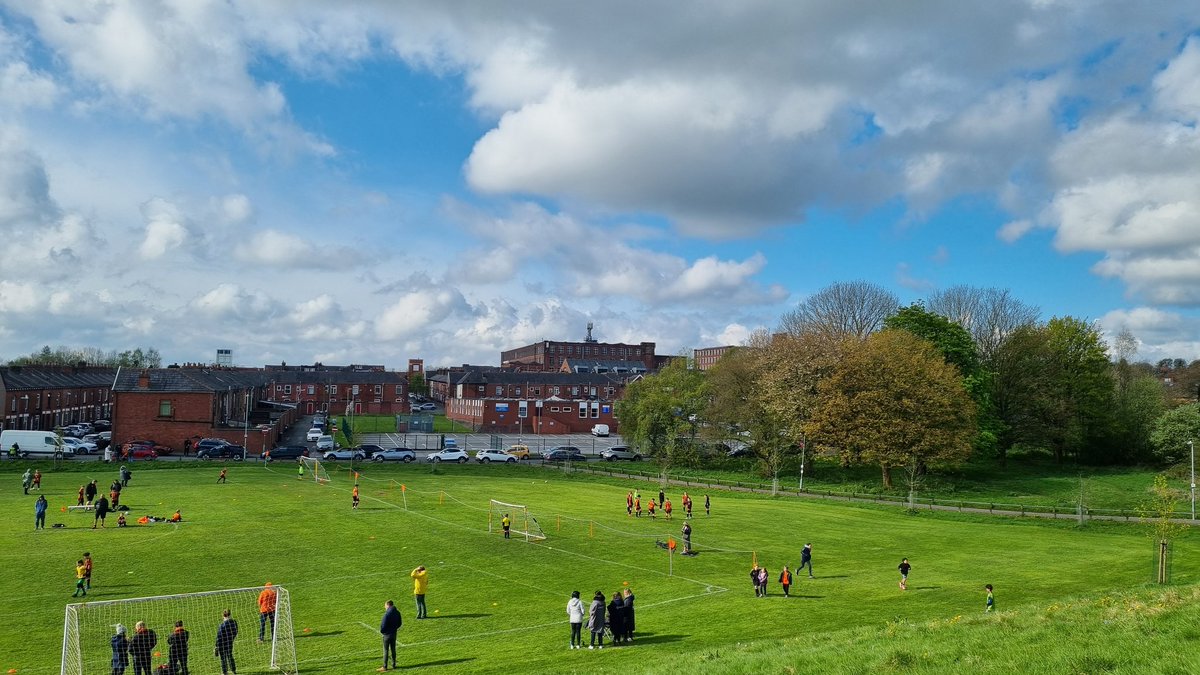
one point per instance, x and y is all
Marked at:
(143, 452)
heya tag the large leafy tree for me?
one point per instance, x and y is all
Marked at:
(1173, 431)
(1083, 386)
(842, 310)
(1020, 390)
(894, 401)
(659, 408)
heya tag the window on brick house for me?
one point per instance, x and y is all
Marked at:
(379, 390)
(14, 404)
(574, 391)
(399, 390)
(556, 391)
(499, 390)
(279, 387)
(287, 389)
(517, 392)
(354, 390)
(582, 411)
(165, 409)
(311, 390)
(536, 391)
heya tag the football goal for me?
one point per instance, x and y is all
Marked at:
(521, 521)
(90, 626)
(316, 469)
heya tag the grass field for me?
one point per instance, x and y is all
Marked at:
(498, 606)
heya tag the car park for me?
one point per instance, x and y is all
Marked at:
(314, 434)
(488, 455)
(227, 451)
(564, 453)
(620, 452)
(345, 453)
(519, 451)
(395, 455)
(325, 443)
(287, 452)
(448, 455)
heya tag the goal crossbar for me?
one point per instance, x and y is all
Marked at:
(521, 521)
(316, 469)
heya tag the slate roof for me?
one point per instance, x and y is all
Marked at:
(579, 365)
(545, 378)
(338, 377)
(23, 378)
(185, 380)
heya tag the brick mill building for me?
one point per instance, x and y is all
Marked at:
(704, 358)
(505, 401)
(549, 355)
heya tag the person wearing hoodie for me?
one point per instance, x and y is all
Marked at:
(596, 621)
(177, 642)
(575, 616)
(120, 651)
(616, 618)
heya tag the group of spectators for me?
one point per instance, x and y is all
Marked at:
(620, 619)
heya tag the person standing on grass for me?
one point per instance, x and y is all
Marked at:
(90, 492)
(39, 513)
(177, 641)
(101, 512)
(662, 497)
(754, 581)
(629, 617)
(37, 479)
(80, 579)
(141, 648)
(266, 610)
(637, 507)
(299, 469)
(687, 538)
(420, 577)
(388, 627)
(991, 600)
(763, 578)
(667, 508)
(226, 634)
(26, 480)
(596, 621)
(652, 509)
(629, 503)
(120, 651)
(126, 474)
(785, 580)
(806, 560)
(87, 569)
(904, 568)
(82, 488)
(354, 498)
(221, 478)
(575, 617)
(707, 505)
(616, 618)
(506, 523)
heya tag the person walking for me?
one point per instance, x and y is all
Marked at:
(39, 513)
(616, 618)
(101, 512)
(120, 651)
(26, 480)
(37, 480)
(420, 577)
(596, 621)
(87, 569)
(177, 643)
(221, 478)
(141, 648)
(652, 509)
(637, 507)
(82, 489)
(667, 508)
(266, 610)
(991, 600)
(904, 567)
(754, 580)
(575, 617)
(629, 503)
(226, 633)
(662, 497)
(354, 498)
(785, 580)
(80, 579)
(763, 577)
(707, 505)
(126, 474)
(806, 560)
(388, 627)
(629, 616)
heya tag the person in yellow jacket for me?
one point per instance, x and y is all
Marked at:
(420, 577)
(507, 525)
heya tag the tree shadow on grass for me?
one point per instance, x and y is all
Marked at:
(642, 638)
(430, 664)
(457, 616)
(926, 588)
(807, 597)
(831, 576)
(323, 633)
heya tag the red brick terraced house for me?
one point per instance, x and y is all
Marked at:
(169, 405)
(45, 397)
(496, 401)
(340, 389)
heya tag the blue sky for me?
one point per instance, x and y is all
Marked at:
(372, 181)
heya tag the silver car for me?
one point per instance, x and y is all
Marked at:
(325, 443)
(620, 452)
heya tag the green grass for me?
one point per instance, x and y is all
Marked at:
(386, 424)
(500, 604)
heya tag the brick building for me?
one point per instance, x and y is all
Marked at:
(704, 358)
(504, 401)
(169, 405)
(340, 389)
(45, 397)
(548, 355)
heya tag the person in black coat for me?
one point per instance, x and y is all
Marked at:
(629, 625)
(226, 634)
(141, 648)
(595, 622)
(177, 641)
(616, 617)
(388, 628)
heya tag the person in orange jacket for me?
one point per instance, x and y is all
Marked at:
(266, 610)
(354, 497)
(785, 580)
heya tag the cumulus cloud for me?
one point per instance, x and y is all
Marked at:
(1160, 334)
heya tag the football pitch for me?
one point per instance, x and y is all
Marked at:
(498, 605)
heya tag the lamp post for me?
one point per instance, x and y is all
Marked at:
(803, 448)
(246, 425)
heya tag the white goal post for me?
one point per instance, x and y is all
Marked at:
(521, 521)
(315, 469)
(89, 628)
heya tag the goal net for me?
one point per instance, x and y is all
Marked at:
(316, 469)
(521, 521)
(90, 627)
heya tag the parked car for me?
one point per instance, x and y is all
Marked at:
(564, 453)
(395, 455)
(519, 451)
(80, 447)
(600, 430)
(325, 443)
(102, 425)
(448, 455)
(102, 440)
(450, 443)
(488, 455)
(368, 449)
(227, 451)
(425, 406)
(287, 452)
(143, 452)
(209, 443)
(72, 430)
(314, 434)
(345, 453)
(620, 452)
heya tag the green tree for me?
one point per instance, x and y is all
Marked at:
(895, 402)
(417, 384)
(1083, 386)
(1172, 432)
(658, 408)
(1159, 514)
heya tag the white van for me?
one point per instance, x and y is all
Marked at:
(33, 443)
(600, 430)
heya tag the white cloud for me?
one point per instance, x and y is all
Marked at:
(418, 311)
(1014, 230)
